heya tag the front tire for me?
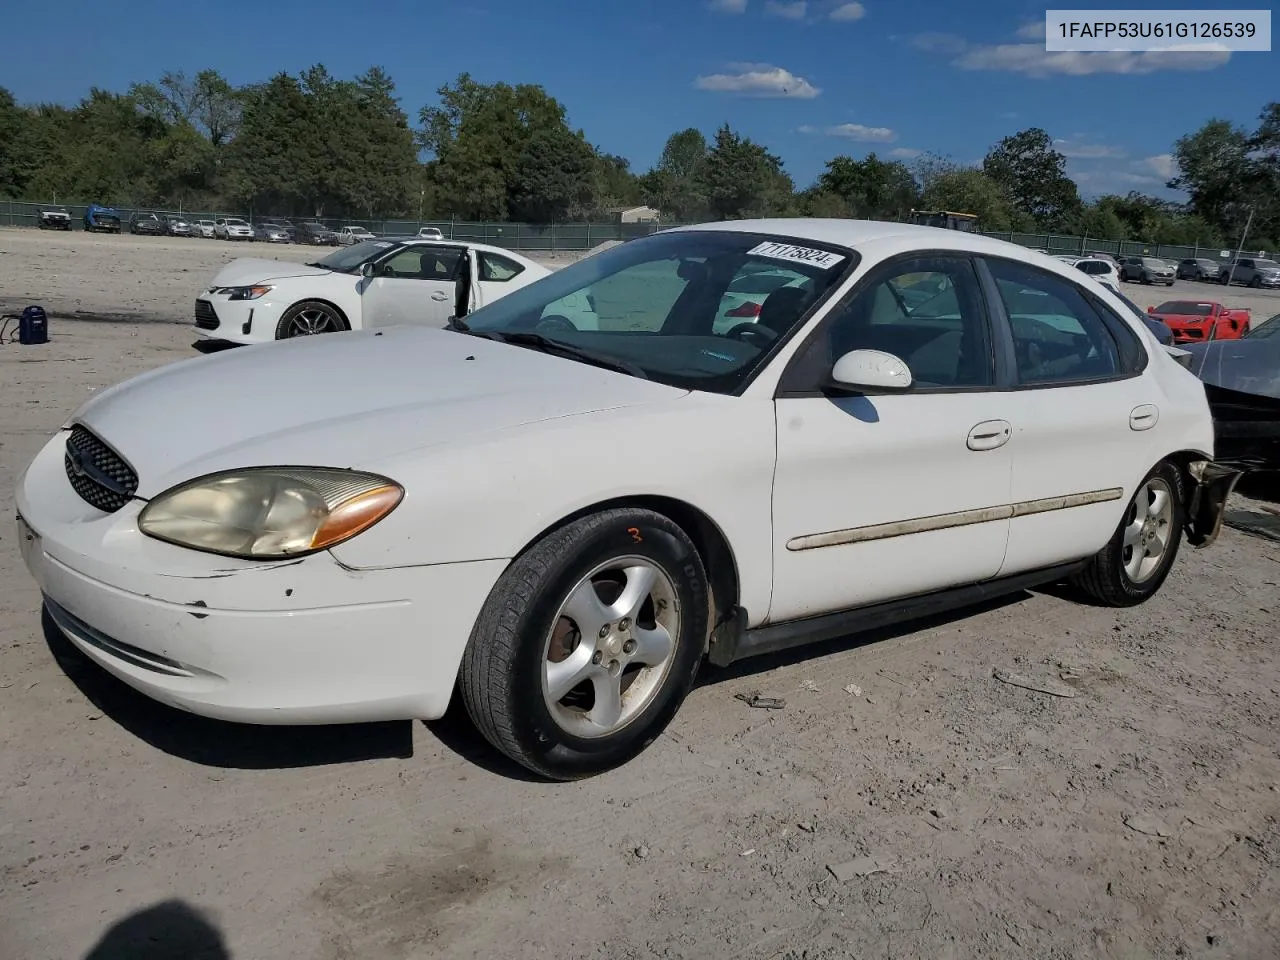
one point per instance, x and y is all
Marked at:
(1135, 562)
(309, 318)
(588, 644)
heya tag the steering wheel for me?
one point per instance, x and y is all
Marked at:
(752, 333)
(556, 321)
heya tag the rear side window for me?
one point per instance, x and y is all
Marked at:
(497, 268)
(1058, 336)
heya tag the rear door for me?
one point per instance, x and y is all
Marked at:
(413, 285)
(1083, 434)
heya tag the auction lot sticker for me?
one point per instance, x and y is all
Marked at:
(794, 254)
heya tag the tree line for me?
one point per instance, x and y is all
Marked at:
(312, 144)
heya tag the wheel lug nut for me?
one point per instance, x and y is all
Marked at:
(624, 623)
(604, 631)
(597, 658)
(629, 647)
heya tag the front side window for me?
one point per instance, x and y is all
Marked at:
(928, 312)
(655, 304)
(1058, 337)
(422, 263)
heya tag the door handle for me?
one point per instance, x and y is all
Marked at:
(989, 435)
(1144, 417)
(439, 295)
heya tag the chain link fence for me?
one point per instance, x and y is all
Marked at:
(529, 237)
(579, 237)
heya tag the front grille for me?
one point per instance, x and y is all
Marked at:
(206, 318)
(97, 473)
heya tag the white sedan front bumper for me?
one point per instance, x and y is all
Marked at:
(218, 317)
(304, 641)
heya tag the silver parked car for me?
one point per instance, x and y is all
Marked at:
(269, 231)
(1251, 271)
(1147, 270)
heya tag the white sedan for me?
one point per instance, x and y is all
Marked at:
(561, 525)
(354, 234)
(232, 228)
(371, 284)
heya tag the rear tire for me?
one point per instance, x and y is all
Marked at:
(588, 644)
(1133, 565)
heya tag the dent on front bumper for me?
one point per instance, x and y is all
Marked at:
(303, 641)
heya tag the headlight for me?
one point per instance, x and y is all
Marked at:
(245, 293)
(270, 513)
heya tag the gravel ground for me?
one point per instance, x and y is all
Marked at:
(965, 817)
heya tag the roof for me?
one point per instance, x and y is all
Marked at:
(856, 233)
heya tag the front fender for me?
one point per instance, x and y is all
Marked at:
(490, 496)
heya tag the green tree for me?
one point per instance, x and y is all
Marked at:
(1033, 175)
(742, 179)
(675, 185)
(969, 190)
(873, 189)
(1214, 170)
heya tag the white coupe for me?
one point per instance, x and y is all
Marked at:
(561, 525)
(371, 284)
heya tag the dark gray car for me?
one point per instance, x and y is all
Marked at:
(1199, 268)
(1242, 383)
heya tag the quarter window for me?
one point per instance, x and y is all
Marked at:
(1057, 335)
(497, 268)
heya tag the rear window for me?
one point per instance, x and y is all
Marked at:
(1093, 266)
(1186, 308)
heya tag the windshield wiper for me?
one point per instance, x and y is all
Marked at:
(538, 342)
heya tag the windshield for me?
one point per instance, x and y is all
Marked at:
(233, 222)
(1153, 262)
(351, 259)
(1093, 266)
(1185, 308)
(672, 304)
(1268, 328)
(1266, 264)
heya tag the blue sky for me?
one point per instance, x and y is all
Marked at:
(808, 79)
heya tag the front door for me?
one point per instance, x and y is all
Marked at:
(880, 496)
(413, 285)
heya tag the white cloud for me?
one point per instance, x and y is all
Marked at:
(904, 153)
(1034, 61)
(790, 10)
(759, 80)
(1079, 150)
(856, 132)
(1031, 31)
(728, 6)
(1162, 165)
(849, 12)
(934, 42)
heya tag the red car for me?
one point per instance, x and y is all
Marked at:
(1193, 321)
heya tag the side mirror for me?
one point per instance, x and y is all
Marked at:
(367, 270)
(871, 369)
(1151, 309)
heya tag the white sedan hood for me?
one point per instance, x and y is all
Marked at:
(247, 271)
(342, 400)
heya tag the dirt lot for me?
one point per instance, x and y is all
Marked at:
(1139, 818)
